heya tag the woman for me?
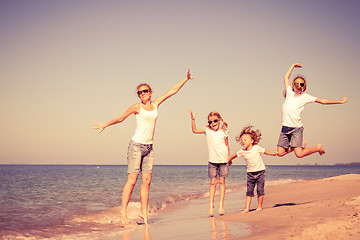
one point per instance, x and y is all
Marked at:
(140, 154)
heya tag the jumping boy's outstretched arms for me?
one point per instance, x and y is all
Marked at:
(193, 126)
(173, 90)
(288, 74)
(327, 101)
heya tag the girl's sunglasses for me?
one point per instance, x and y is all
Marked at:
(215, 121)
(143, 91)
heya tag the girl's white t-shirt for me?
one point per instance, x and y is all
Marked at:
(253, 158)
(293, 106)
(145, 125)
(218, 151)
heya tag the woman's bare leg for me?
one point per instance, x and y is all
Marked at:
(126, 195)
(144, 196)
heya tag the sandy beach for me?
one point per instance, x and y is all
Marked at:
(326, 208)
(308, 209)
(318, 209)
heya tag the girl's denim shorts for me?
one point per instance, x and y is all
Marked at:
(140, 158)
(218, 170)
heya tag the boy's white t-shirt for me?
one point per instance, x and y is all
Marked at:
(293, 106)
(218, 151)
(253, 158)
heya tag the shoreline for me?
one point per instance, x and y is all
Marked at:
(325, 208)
(311, 209)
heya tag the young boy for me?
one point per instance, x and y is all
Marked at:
(249, 139)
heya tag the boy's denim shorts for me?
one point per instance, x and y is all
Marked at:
(258, 179)
(291, 137)
(140, 157)
(218, 170)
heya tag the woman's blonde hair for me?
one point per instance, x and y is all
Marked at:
(216, 114)
(254, 134)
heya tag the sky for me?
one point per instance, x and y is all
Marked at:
(67, 64)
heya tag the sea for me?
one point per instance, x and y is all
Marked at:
(83, 201)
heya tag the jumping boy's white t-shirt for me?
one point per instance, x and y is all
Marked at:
(253, 158)
(218, 151)
(293, 106)
(145, 125)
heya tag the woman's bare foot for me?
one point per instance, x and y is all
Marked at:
(258, 209)
(145, 218)
(245, 211)
(321, 149)
(123, 219)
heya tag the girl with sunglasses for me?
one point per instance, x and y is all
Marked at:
(140, 154)
(217, 139)
(291, 136)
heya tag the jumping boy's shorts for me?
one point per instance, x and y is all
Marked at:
(291, 137)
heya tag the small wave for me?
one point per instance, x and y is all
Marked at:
(281, 181)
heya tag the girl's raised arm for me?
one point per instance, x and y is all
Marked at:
(173, 90)
(193, 125)
(288, 74)
(133, 109)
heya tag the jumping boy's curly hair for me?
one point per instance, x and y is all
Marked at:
(254, 134)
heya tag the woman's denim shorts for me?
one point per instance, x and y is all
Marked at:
(140, 158)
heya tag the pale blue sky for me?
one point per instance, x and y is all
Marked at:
(67, 64)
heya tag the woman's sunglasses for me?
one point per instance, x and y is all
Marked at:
(215, 121)
(143, 91)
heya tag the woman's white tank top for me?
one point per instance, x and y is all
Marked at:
(145, 125)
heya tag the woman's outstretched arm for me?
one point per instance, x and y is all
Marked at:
(173, 90)
(133, 109)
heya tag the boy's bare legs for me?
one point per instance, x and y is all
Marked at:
(213, 182)
(144, 196)
(303, 152)
(126, 195)
(222, 195)
(282, 151)
(248, 203)
(260, 202)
